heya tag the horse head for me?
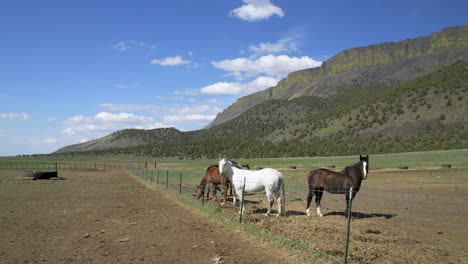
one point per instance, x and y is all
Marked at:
(365, 165)
(222, 166)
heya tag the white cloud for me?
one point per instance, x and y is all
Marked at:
(121, 46)
(284, 45)
(170, 61)
(15, 116)
(131, 44)
(255, 10)
(120, 86)
(188, 118)
(270, 65)
(49, 141)
(240, 89)
(203, 114)
(105, 123)
(267, 47)
(130, 107)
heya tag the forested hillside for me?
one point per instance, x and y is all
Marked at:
(427, 113)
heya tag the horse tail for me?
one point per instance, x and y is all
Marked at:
(201, 188)
(283, 197)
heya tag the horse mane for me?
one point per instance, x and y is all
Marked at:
(237, 165)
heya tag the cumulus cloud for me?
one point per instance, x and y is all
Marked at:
(240, 89)
(284, 45)
(255, 10)
(267, 47)
(105, 123)
(170, 61)
(270, 65)
(202, 114)
(15, 116)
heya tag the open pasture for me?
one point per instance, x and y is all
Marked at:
(412, 215)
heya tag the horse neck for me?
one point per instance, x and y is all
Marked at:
(356, 173)
(229, 171)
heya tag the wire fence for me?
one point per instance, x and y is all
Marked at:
(65, 165)
(387, 226)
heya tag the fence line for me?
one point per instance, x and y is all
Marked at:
(387, 226)
(67, 165)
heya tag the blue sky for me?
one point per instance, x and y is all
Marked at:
(72, 71)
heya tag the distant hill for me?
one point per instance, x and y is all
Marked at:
(393, 97)
(126, 138)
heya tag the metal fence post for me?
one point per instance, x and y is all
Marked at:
(180, 183)
(348, 215)
(167, 178)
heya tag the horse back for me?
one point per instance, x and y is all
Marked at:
(331, 181)
(212, 175)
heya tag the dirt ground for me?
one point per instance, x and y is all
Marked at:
(110, 217)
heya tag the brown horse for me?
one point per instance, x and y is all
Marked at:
(213, 179)
(337, 182)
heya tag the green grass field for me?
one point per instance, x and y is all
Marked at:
(413, 160)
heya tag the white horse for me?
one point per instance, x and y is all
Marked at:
(270, 179)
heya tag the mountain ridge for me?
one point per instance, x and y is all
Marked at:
(407, 59)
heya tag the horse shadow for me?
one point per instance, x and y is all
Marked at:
(359, 215)
(287, 213)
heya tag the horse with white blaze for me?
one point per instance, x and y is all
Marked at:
(269, 179)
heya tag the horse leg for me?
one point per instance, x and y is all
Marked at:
(213, 191)
(279, 201)
(208, 192)
(225, 187)
(309, 199)
(318, 198)
(270, 201)
(233, 194)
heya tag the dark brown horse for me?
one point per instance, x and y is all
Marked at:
(337, 182)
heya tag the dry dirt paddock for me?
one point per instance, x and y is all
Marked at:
(110, 217)
(399, 216)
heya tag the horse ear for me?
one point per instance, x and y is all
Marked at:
(360, 157)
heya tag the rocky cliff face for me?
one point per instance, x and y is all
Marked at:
(375, 65)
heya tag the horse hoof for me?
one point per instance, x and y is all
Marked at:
(320, 215)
